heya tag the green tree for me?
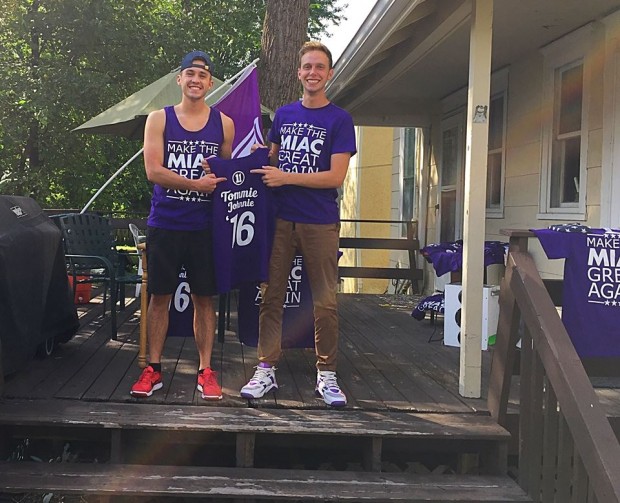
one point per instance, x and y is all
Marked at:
(63, 62)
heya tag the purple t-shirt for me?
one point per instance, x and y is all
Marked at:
(308, 137)
(184, 150)
(242, 221)
(448, 257)
(591, 305)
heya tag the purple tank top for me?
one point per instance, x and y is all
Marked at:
(183, 152)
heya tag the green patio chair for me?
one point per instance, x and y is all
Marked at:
(92, 257)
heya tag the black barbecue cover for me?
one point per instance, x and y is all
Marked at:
(35, 298)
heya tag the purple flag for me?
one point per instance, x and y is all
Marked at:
(242, 104)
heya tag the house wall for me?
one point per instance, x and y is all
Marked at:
(610, 172)
(349, 209)
(397, 258)
(367, 196)
(527, 112)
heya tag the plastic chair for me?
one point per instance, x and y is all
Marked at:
(90, 251)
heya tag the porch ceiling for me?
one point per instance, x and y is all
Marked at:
(407, 56)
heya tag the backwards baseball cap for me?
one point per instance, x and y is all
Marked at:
(188, 61)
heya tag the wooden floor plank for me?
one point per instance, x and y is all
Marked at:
(146, 415)
(384, 362)
(292, 389)
(78, 363)
(183, 376)
(37, 371)
(229, 363)
(355, 381)
(179, 371)
(111, 378)
(108, 381)
(438, 362)
(140, 480)
(373, 377)
(101, 366)
(388, 368)
(386, 353)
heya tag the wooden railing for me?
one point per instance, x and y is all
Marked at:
(567, 449)
(410, 244)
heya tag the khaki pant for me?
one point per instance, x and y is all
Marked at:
(318, 244)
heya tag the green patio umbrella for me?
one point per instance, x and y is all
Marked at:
(127, 118)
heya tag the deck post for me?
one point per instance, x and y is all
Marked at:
(116, 446)
(470, 381)
(372, 454)
(245, 450)
(493, 459)
(144, 304)
(1, 373)
(507, 334)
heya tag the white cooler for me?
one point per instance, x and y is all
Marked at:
(452, 314)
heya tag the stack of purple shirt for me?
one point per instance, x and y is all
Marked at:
(448, 257)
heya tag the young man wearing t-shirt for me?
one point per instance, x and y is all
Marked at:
(312, 141)
(176, 141)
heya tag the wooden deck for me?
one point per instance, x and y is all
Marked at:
(385, 363)
(405, 427)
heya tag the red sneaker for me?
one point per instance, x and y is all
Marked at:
(207, 384)
(148, 382)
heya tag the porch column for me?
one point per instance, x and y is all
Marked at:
(475, 196)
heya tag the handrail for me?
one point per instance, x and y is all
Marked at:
(410, 244)
(553, 380)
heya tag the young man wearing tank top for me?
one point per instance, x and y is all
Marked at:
(179, 227)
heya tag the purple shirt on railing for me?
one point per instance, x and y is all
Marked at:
(448, 257)
(591, 294)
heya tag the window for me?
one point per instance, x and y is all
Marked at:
(451, 179)
(566, 147)
(495, 160)
(563, 173)
(409, 186)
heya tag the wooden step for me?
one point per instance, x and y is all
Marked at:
(253, 483)
(119, 423)
(330, 422)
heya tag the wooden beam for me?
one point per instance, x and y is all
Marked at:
(245, 449)
(1, 372)
(372, 454)
(476, 153)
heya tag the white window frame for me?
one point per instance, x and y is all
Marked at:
(563, 54)
(455, 103)
(456, 120)
(498, 211)
(413, 154)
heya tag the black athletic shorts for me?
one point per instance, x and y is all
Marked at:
(167, 251)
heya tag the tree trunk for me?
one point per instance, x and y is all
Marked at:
(285, 29)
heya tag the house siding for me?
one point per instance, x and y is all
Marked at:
(367, 196)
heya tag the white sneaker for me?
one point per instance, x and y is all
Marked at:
(263, 381)
(327, 387)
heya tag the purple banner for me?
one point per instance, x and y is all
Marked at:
(242, 104)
